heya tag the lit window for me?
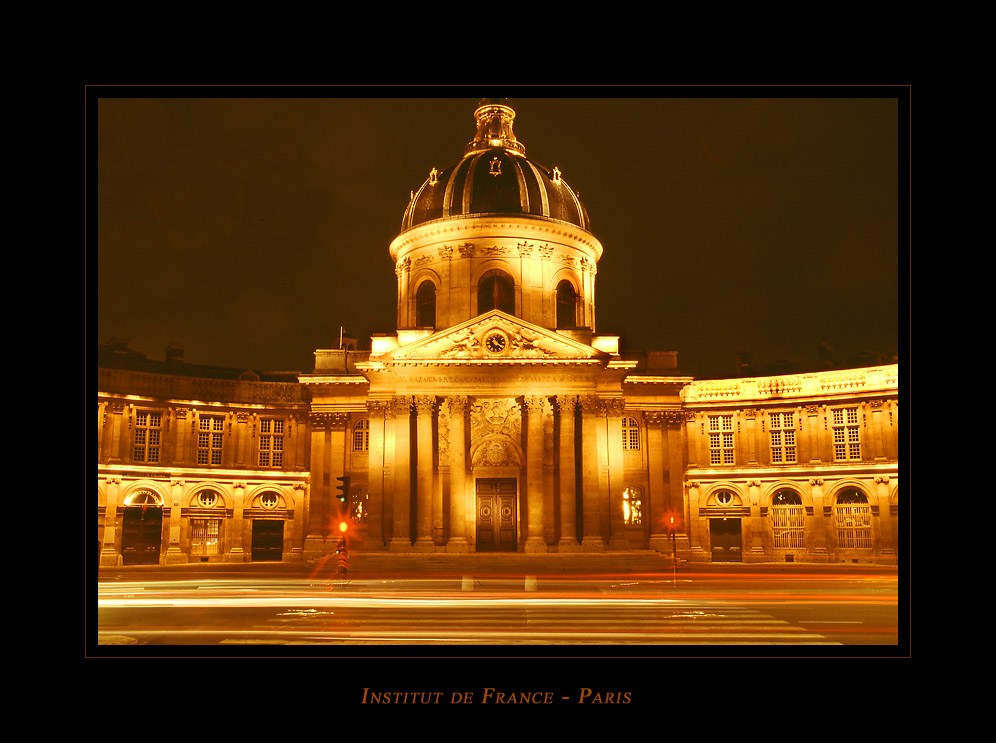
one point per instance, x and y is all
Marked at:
(209, 437)
(630, 434)
(788, 519)
(148, 430)
(361, 436)
(852, 516)
(720, 439)
(632, 506)
(846, 434)
(205, 536)
(782, 430)
(358, 505)
(271, 442)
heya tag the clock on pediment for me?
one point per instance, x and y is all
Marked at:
(495, 343)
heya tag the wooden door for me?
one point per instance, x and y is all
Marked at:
(496, 515)
(726, 540)
(267, 540)
(141, 535)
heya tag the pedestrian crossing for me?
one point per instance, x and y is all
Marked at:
(546, 622)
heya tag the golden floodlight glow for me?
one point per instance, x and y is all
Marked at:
(342, 526)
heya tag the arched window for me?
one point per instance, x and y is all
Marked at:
(630, 434)
(788, 519)
(496, 291)
(632, 506)
(425, 305)
(567, 305)
(361, 436)
(852, 516)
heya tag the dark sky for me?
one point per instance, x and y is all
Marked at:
(248, 229)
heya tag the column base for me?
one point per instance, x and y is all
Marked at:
(400, 545)
(535, 544)
(424, 544)
(592, 544)
(174, 556)
(109, 558)
(458, 544)
(618, 543)
(568, 545)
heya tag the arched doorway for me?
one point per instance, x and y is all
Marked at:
(788, 520)
(142, 529)
(852, 520)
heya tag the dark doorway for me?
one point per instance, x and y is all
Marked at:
(141, 535)
(496, 515)
(726, 540)
(267, 540)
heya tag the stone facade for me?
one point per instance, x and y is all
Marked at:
(495, 418)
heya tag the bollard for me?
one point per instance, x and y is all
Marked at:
(468, 583)
(530, 582)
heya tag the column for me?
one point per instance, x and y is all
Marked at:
(887, 539)
(533, 407)
(172, 510)
(109, 555)
(567, 406)
(614, 409)
(425, 406)
(236, 537)
(314, 544)
(695, 524)
(658, 510)
(674, 483)
(591, 541)
(458, 475)
(816, 537)
(757, 525)
(297, 550)
(375, 476)
(402, 494)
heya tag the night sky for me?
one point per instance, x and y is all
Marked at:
(249, 229)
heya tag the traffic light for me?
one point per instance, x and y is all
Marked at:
(343, 488)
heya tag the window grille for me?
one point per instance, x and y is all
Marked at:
(630, 434)
(361, 436)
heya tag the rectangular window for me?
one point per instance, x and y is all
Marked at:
(209, 438)
(846, 434)
(782, 430)
(630, 434)
(205, 536)
(271, 442)
(361, 436)
(148, 431)
(720, 439)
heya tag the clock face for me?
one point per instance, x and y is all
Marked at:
(495, 343)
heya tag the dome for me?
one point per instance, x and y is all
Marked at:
(494, 177)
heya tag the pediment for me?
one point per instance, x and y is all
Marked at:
(496, 337)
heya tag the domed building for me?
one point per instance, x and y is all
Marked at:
(495, 418)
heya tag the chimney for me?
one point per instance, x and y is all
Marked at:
(744, 363)
(174, 353)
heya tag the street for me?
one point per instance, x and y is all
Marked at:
(695, 606)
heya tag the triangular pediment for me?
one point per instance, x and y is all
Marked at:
(496, 337)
